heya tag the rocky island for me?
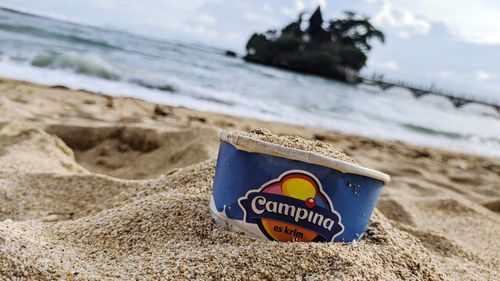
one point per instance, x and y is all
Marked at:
(338, 51)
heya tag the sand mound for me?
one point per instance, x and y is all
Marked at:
(147, 239)
(171, 235)
(111, 228)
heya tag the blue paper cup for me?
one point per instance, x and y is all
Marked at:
(283, 194)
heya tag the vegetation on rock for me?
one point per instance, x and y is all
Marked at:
(337, 50)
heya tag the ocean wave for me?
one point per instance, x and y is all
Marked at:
(39, 32)
(88, 64)
(152, 85)
(95, 66)
(453, 135)
(429, 131)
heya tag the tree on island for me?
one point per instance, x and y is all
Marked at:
(337, 51)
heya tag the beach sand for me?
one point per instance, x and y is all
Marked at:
(94, 187)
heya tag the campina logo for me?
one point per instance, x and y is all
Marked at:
(292, 207)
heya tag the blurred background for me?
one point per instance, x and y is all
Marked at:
(176, 52)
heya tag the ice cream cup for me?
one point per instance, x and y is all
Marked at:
(283, 194)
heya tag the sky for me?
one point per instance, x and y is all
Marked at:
(454, 44)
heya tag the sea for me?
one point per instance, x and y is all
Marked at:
(54, 52)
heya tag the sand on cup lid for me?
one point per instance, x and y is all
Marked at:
(299, 143)
(294, 147)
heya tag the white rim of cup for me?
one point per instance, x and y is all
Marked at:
(258, 146)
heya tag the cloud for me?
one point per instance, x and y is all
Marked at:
(483, 75)
(259, 17)
(288, 12)
(470, 21)
(252, 16)
(386, 64)
(185, 5)
(234, 36)
(300, 5)
(268, 8)
(206, 19)
(403, 20)
(445, 73)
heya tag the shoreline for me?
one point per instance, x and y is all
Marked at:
(103, 187)
(312, 130)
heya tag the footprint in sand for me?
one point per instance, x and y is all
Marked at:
(141, 152)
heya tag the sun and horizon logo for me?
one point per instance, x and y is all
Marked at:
(292, 207)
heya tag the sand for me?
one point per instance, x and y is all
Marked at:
(95, 187)
(299, 143)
